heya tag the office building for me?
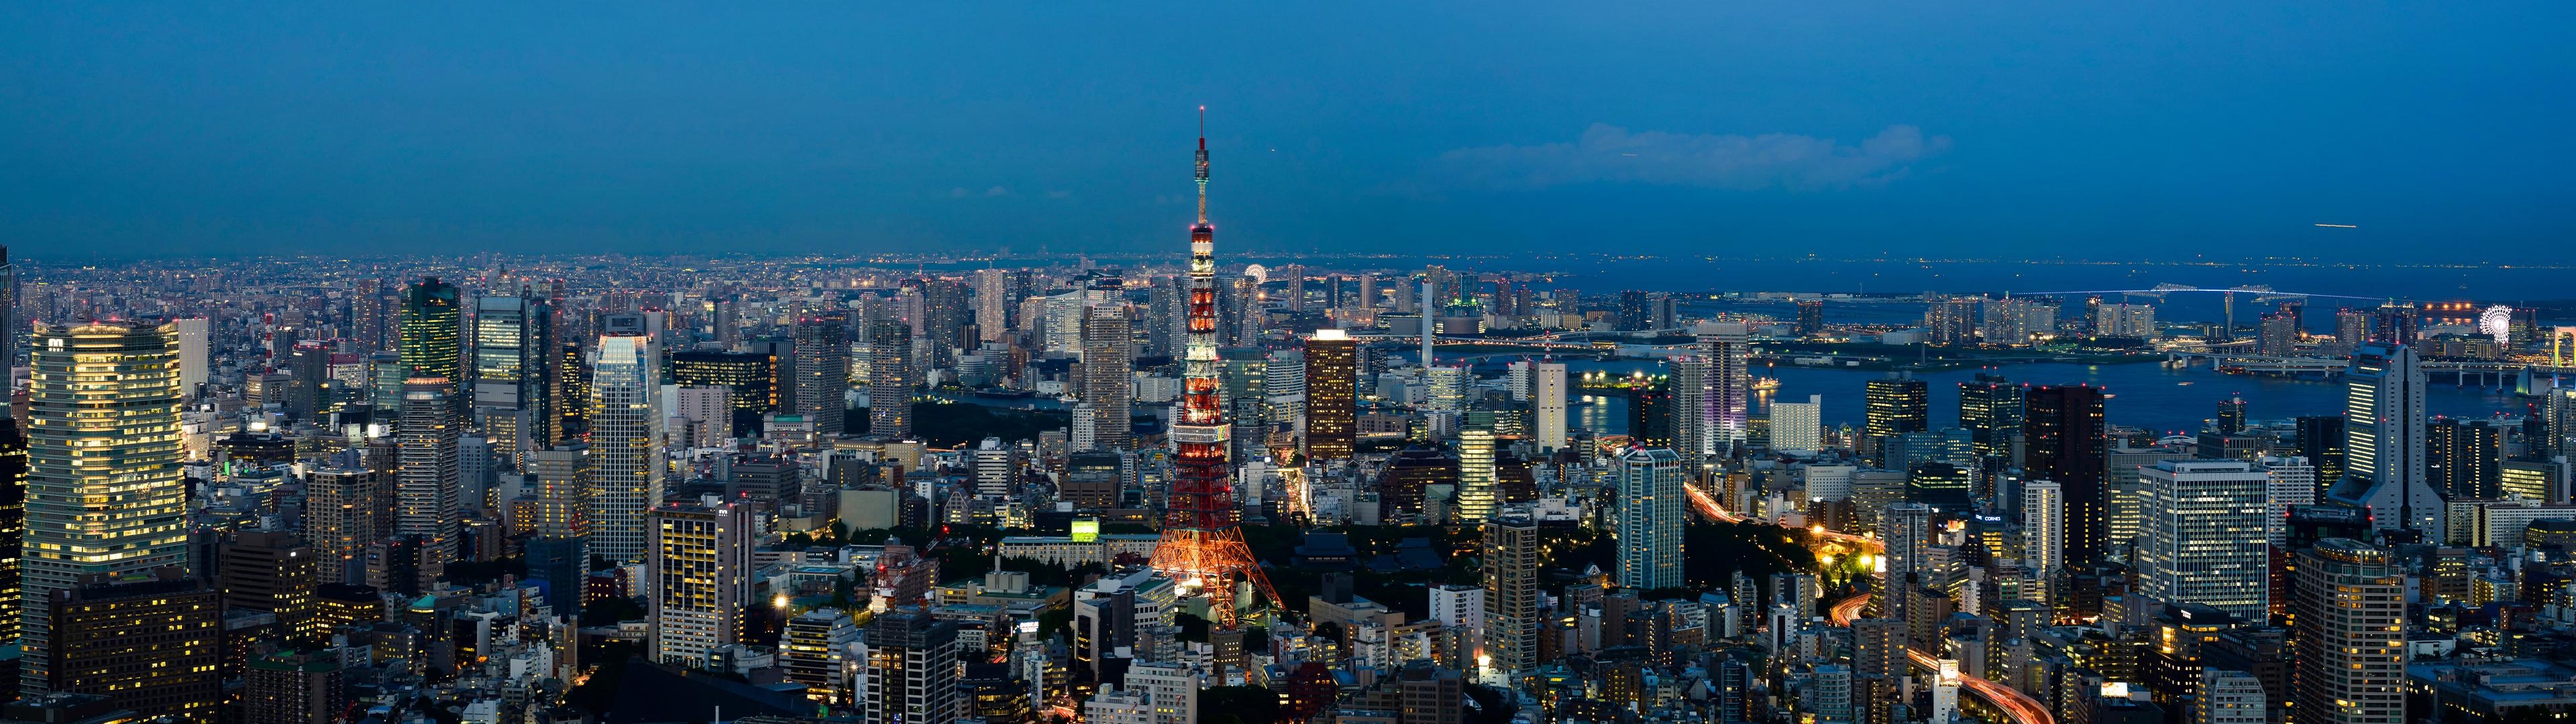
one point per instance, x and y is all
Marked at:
(192, 354)
(432, 329)
(2228, 697)
(700, 579)
(815, 649)
(625, 445)
(105, 494)
(514, 373)
(340, 510)
(1896, 405)
(911, 672)
(425, 503)
(1512, 563)
(1480, 492)
(2293, 482)
(1990, 409)
(2383, 438)
(13, 518)
(2205, 539)
(2320, 440)
(750, 378)
(273, 572)
(1547, 398)
(1650, 519)
(1332, 389)
(2350, 609)
(559, 516)
(1798, 425)
(2063, 441)
(1171, 689)
(294, 687)
(823, 372)
(147, 642)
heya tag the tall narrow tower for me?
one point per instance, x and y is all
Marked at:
(1202, 545)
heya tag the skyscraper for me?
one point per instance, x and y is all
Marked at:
(1896, 405)
(1108, 391)
(340, 510)
(426, 504)
(2465, 458)
(2383, 437)
(2043, 532)
(559, 554)
(1479, 491)
(2320, 440)
(1332, 389)
(1811, 317)
(192, 354)
(1650, 519)
(1511, 570)
(993, 304)
(701, 578)
(1547, 396)
(149, 645)
(105, 495)
(1990, 409)
(273, 572)
(13, 521)
(514, 365)
(431, 327)
(911, 670)
(2350, 609)
(1730, 385)
(823, 372)
(625, 444)
(890, 376)
(2064, 441)
(2206, 540)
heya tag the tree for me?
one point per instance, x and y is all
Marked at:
(1238, 705)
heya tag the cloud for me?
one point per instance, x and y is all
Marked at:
(1610, 154)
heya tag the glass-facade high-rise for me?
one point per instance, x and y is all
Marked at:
(1650, 518)
(105, 494)
(514, 373)
(430, 330)
(625, 444)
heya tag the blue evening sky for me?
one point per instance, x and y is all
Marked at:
(2098, 130)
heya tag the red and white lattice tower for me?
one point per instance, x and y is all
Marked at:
(1202, 547)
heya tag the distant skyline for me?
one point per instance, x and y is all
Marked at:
(1994, 130)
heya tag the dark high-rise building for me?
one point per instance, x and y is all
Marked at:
(1811, 317)
(2465, 458)
(2063, 441)
(1990, 409)
(912, 670)
(432, 326)
(752, 378)
(2231, 416)
(1400, 487)
(309, 383)
(1650, 413)
(2393, 323)
(1332, 389)
(13, 521)
(1897, 405)
(2320, 440)
(823, 371)
(1632, 311)
(149, 645)
(294, 687)
(890, 376)
(572, 385)
(273, 572)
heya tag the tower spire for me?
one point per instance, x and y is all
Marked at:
(1203, 176)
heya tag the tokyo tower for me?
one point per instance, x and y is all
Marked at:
(1202, 547)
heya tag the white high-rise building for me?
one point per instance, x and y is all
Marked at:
(625, 444)
(992, 304)
(701, 415)
(192, 354)
(1798, 425)
(1650, 519)
(1446, 387)
(1547, 393)
(2293, 482)
(1458, 606)
(2228, 697)
(2204, 539)
(1520, 377)
(699, 578)
(2383, 437)
(2043, 532)
(1171, 689)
